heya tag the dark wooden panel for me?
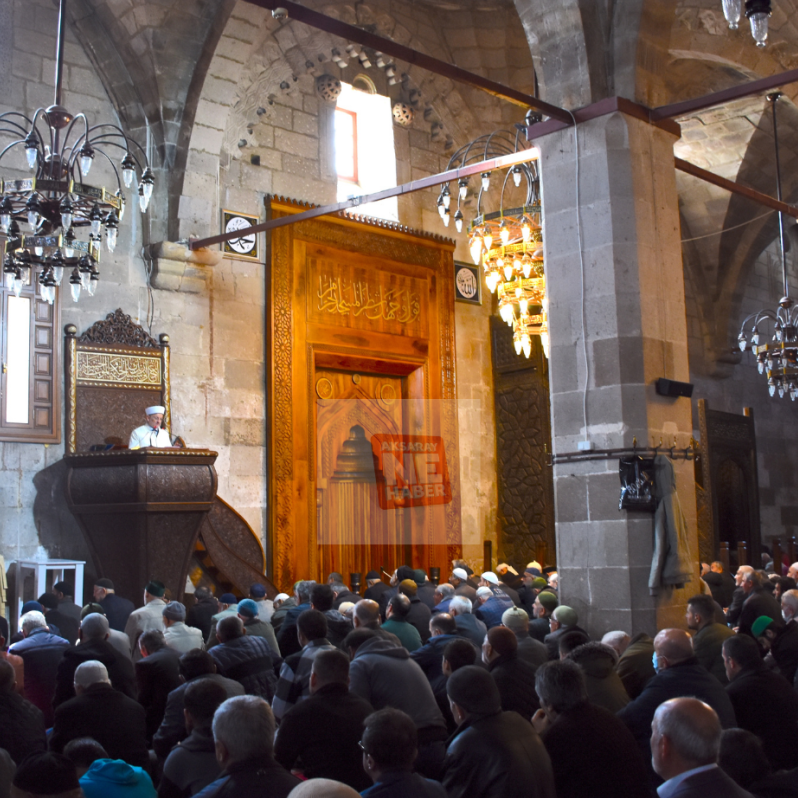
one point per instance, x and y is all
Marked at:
(523, 433)
(44, 337)
(41, 391)
(41, 417)
(42, 363)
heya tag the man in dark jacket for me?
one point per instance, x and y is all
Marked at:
(634, 667)
(383, 673)
(783, 640)
(194, 665)
(563, 620)
(157, 674)
(429, 657)
(321, 735)
(192, 765)
(338, 626)
(514, 677)
(98, 711)
(709, 636)
(685, 738)
(375, 586)
(245, 659)
(22, 726)
(492, 754)
(66, 624)
(243, 731)
(468, 625)
(592, 752)
(94, 645)
(426, 590)
(117, 609)
(721, 584)
(419, 613)
(42, 653)
(764, 702)
(492, 600)
(205, 607)
(286, 637)
(678, 674)
(530, 650)
(542, 607)
(758, 601)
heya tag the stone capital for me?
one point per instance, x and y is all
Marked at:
(177, 268)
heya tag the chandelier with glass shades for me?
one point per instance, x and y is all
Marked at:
(508, 241)
(772, 333)
(757, 12)
(41, 216)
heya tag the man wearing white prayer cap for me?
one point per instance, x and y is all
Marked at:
(152, 433)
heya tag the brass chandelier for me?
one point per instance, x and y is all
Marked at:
(778, 357)
(55, 203)
(508, 241)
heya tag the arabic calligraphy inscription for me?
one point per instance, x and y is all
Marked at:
(102, 367)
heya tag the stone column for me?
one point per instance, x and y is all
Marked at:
(636, 332)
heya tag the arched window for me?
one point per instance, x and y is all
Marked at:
(365, 158)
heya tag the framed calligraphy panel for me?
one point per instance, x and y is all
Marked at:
(349, 295)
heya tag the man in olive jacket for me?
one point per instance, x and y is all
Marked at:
(708, 638)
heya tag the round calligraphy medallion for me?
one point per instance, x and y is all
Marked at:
(324, 388)
(466, 283)
(387, 393)
(356, 378)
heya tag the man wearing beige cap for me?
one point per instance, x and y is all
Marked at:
(152, 434)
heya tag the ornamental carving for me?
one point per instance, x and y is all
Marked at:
(118, 328)
(129, 369)
(526, 512)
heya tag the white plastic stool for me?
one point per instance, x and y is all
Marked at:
(41, 568)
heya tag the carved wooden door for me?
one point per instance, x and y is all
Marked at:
(354, 534)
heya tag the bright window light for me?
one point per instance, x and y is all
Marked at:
(365, 158)
(18, 360)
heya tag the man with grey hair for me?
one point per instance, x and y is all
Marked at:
(468, 625)
(758, 601)
(287, 637)
(94, 645)
(529, 649)
(739, 595)
(618, 641)
(41, 651)
(592, 752)
(685, 741)
(442, 597)
(243, 733)
(98, 711)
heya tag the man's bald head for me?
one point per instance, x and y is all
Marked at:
(322, 788)
(366, 614)
(673, 646)
(685, 734)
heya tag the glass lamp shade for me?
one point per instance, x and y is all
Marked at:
(732, 10)
(759, 28)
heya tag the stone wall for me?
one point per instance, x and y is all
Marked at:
(214, 314)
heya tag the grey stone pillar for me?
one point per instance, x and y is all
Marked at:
(636, 332)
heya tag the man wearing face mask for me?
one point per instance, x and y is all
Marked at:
(678, 674)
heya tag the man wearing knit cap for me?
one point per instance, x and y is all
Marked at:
(228, 606)
(491, 752)
(253, 625)
(46, 775)
(257, 593)
(116, 608)
(420, 613)
(544, 605)
(150, 616)
(178, 636)
(563, 619)
(459, 581)
(152, 434)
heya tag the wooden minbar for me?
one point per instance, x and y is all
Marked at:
(141, 512)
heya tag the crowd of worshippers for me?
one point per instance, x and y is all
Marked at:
(481, 687)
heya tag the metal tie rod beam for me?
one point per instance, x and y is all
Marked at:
(410, 56)
(523, 156)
